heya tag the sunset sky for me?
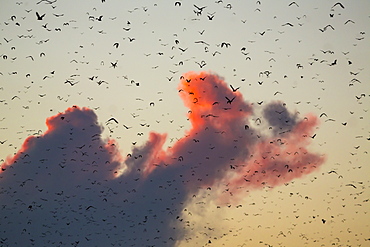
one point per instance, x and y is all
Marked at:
(179, 123)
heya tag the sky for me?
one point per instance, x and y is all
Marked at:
(184, 123)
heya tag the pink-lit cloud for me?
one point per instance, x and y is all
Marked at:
(69, 185)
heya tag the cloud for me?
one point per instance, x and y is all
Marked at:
(69, 186)
(278, 117)
(223, 147)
